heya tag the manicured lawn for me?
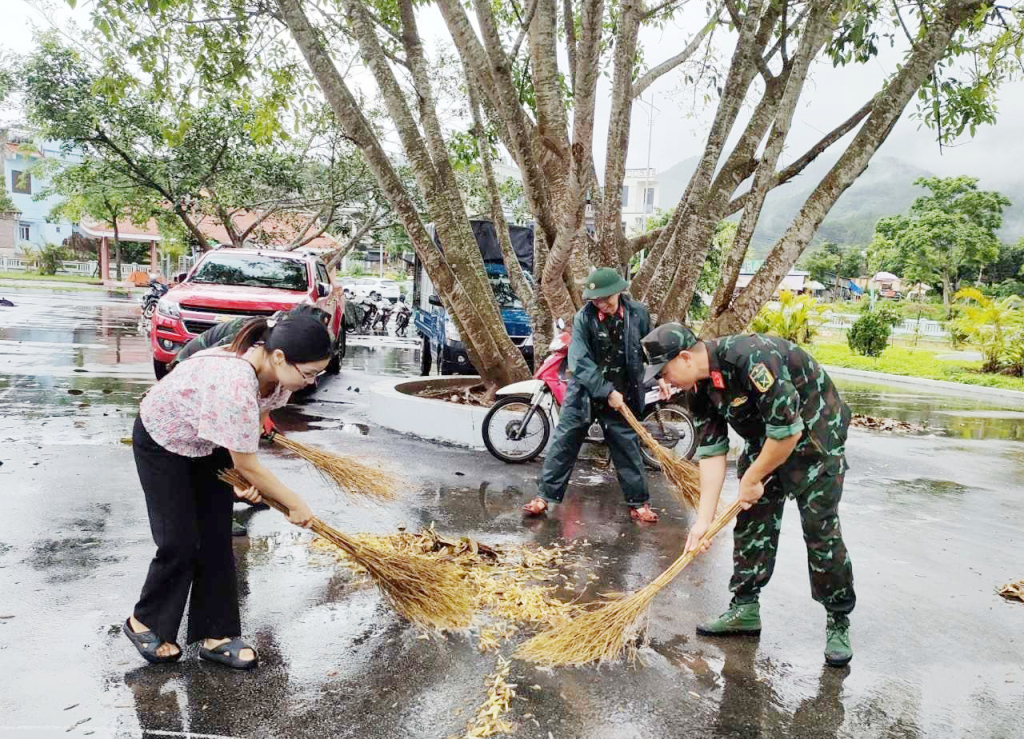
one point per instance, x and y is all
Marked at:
(898, 360)
(80, 279)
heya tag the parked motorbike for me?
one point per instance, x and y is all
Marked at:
(149, 300)
(518, 425)
(384, 310)
(369, 309)
(402, 315)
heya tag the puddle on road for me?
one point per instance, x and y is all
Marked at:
(387, 359)
(953, 414)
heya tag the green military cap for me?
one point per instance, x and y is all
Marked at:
(603, 282)
(663, 344)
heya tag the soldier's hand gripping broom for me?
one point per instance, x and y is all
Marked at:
(605, 633)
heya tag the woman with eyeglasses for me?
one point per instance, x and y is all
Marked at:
(200, 419)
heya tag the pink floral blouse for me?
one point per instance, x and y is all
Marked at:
(212, 400)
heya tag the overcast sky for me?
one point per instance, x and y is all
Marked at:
(680, 125)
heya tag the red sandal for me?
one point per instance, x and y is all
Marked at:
(536, 507)
(643, 514)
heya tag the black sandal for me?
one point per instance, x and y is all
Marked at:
(228, 654)
(147, 643)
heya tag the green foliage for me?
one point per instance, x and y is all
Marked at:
(888, 313)
(988, 324)
(951, 229)
(869, 334)
(46, 259)
(150, 147)
(898, 360)
(830, 260)
(797, 318)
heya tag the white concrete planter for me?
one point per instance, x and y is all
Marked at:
(436, 420)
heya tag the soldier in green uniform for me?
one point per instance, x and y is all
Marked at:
(607, 369)
(784, 405)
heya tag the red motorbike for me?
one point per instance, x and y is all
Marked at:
(518, 426)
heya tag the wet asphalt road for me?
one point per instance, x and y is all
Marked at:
(933, 524)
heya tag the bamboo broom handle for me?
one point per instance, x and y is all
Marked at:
(642, 432)
(680, 564)
(233, 477)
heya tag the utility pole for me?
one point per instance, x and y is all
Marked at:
(651, 114)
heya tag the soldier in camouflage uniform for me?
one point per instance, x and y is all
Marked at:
(607, 367)
(784, 405)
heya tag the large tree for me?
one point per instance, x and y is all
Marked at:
(195, 154)
(945, 232)
(543, 113)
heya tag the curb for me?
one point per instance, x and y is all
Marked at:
(979, 390)
(426, 418)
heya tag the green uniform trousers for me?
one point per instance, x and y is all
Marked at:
(756, 541)
(623, 445)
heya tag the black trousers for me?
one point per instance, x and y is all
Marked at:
(190, 518)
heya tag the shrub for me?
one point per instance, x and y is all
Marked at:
(797, 318)
(45, 260)
(869, 334)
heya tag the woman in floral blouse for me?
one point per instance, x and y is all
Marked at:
(200, 419)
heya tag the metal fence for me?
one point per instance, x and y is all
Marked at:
(88, 269)
(911, 326)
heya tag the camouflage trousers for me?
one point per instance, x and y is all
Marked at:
(756, 542)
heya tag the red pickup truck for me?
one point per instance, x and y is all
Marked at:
(229, 283)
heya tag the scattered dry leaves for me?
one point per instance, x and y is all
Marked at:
(1013, 590)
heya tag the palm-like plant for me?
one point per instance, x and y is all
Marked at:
(797, 318)
(988, 324)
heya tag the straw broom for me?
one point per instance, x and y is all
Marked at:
(603, 634)
(681, 473)
(348, 473)
(429, 593)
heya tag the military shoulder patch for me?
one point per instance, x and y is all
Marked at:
(761, 376)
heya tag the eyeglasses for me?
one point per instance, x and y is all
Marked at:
(307, 376)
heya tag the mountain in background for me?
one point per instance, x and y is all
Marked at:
(886, 188)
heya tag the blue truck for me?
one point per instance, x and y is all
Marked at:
(442, 347)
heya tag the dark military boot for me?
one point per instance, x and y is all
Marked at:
(742, 619)
(838, 651)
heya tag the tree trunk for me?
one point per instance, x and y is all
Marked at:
(885, 112)
(476, 316)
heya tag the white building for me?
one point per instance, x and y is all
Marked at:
(639, 199)
(31, 227)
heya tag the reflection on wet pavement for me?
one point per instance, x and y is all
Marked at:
(932, 522)
(955, 414)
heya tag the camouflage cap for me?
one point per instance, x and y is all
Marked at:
(663, 344)
(603, 282)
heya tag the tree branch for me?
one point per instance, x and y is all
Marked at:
(810, 155)
(641, 85)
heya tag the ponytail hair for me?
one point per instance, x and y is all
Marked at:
(301, 338)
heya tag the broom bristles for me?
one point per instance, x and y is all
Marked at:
(606, 633)
(429, 593)
(347, 473)
(682, 474)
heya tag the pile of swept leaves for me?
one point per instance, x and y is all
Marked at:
(516, 587)
(886, 424)
(1013, 590)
